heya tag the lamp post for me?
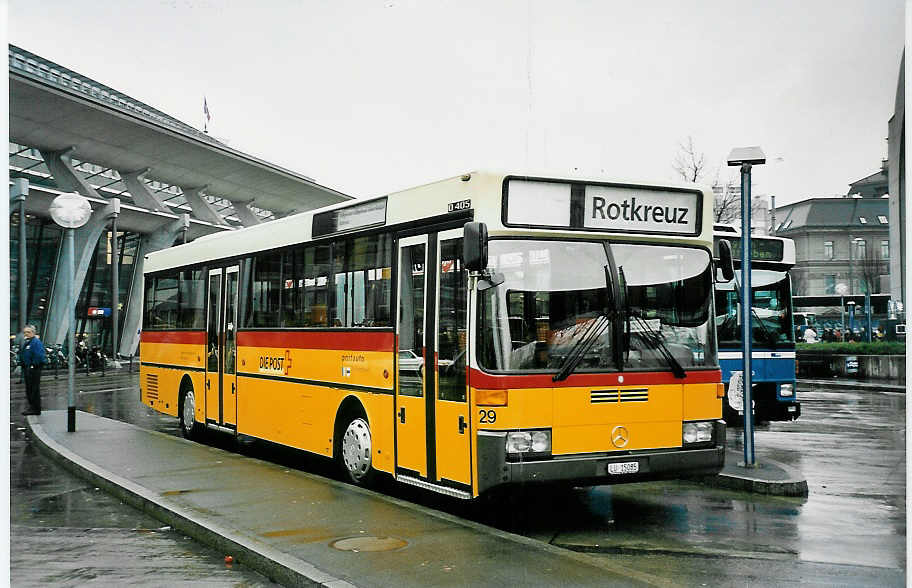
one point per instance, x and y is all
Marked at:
(842, 290)
(746, 157)
(71, 211)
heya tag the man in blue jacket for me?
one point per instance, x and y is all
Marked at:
(32, 358)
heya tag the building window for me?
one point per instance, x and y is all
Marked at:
(861, 249)
(862, 220)
(828, 249)
(882, 219)
(885, 250)
(829, 284)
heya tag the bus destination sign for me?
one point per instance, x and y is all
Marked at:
(649, 211)
(616, 208)
(761, 249)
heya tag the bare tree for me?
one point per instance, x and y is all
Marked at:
(689, 164)
(727, 203)
(871, 267)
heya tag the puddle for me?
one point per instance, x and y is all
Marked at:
(357, 544)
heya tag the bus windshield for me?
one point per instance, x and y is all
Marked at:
(771, 310)
(557, 293)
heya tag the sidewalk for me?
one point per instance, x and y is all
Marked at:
(301, 529)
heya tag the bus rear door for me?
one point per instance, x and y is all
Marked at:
(221, 349)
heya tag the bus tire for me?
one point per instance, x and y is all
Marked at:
(186, 409)
(354, 448)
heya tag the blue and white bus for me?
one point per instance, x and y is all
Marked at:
(773, 341)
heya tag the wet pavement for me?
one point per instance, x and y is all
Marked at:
(849, 445)
(66, 532)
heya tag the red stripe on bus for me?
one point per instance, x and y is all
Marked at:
(183, 337)
(479, 379)
(345, 340)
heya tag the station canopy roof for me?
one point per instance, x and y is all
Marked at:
(53, 108)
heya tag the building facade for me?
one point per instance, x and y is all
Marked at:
(842, 245)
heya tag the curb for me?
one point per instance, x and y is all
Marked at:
(277, 566)
(793, 485)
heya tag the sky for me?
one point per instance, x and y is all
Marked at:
(373, 96)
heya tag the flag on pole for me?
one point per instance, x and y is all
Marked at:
(206, 114)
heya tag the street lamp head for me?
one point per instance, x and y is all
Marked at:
(749, 155)
(71, 210)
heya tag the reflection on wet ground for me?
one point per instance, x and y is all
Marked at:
(65, 532)
(850, 445)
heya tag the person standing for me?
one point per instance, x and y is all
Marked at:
(32, 358)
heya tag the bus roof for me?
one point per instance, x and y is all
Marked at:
(485, 193)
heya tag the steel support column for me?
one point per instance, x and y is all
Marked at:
(247, 217)
(142, 196)
(18, 194)
(60, 165)
(201, 207)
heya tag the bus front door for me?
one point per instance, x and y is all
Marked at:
(432, 413)
(221, 353)
(452, 418)
(411, 376)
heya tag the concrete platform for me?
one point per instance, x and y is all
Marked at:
(301, 529)
(766, 477)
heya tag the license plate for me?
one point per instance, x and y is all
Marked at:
(627, 467)
(791, 409)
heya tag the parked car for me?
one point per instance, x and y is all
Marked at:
(410, 361)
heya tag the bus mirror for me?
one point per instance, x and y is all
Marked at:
(725, 260)
(475, 247)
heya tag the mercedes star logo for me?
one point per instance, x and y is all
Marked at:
(620, 436)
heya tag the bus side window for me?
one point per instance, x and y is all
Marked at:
(316, 285)
(266, 286)
(369, 278)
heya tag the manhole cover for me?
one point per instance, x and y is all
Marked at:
(357, 544)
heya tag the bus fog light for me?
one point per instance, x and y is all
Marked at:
(519, 442)
(786, 390)
(541, 441)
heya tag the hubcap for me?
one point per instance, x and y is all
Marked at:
(189, 410)
(356, 449)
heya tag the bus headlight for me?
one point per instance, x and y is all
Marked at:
(528, 442)
(697, 432)
(786, 390)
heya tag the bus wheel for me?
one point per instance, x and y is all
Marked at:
(186, 412)
(355, 451)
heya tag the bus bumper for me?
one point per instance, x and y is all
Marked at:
(592, 469)
(778, 411)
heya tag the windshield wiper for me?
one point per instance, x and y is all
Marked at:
(657, 340)
(766, 332)
(582, 346)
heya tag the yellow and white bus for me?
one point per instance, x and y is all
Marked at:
(483, 330)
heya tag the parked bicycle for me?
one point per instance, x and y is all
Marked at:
(56, 356)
